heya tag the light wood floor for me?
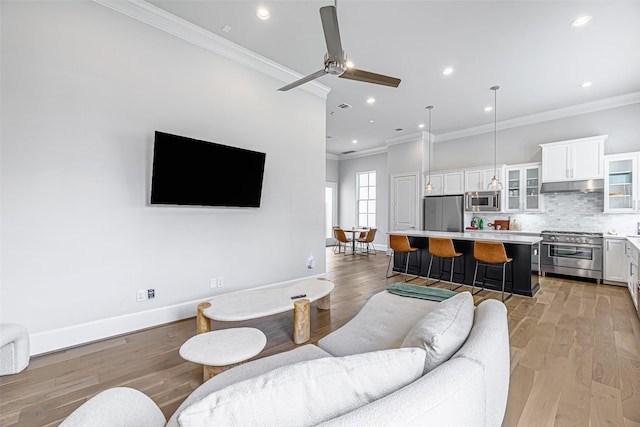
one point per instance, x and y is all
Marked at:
(575, 355)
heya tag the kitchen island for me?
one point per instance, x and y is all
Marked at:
(524, 249)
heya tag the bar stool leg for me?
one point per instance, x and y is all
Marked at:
(475, 273)
(429, 272)
(451, 276)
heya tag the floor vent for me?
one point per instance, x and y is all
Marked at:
(343, 106)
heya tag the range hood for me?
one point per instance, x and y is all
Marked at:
(584, 186)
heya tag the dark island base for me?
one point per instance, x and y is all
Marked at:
(518, 274)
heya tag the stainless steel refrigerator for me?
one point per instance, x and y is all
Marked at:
(444, 213)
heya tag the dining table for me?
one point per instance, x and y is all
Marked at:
(353, 232)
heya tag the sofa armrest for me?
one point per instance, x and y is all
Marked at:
(117, 407)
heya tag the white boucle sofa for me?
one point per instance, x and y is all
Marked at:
(399, 362)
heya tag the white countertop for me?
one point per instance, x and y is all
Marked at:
(474, 235)
(635, 241)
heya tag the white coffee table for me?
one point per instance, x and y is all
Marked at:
(255, 303)
(222, 349)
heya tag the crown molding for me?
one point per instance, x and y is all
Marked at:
(169, 23)
(404, 138)
(364, 153)
(588, 107)
(332, 157)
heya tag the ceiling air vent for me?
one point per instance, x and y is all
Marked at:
(399, 129)
(343, 106)
(348, 152)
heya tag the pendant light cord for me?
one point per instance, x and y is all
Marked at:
(495, 131)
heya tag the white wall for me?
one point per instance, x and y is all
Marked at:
(83, 90)
(521, 144)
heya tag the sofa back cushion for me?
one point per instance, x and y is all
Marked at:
(309, 392)
(443, 330)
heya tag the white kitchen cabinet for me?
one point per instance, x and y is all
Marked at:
(622, 182)
(479, 179)
(633, 281)
(522, 188)
(449, 182)
(453, 182)
(615, 261)
(573, 160)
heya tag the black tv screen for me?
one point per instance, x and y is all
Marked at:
(191, 172)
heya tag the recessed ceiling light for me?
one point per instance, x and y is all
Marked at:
(579, 22)
(487, 109)
(372, 121)
(355, 141)
(421, 125)
(447, 71)
(371, 100)
(263, 13)
(349, 64)
(586, 84)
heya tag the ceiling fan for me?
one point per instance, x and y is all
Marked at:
(335, 62)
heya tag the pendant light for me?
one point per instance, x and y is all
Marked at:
(495, 184)
(429, 187)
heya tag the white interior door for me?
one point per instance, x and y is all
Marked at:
(330, 211)
(405, 209)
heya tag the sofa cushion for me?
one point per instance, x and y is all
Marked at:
(309, 392)
(381, 324)
(443, 330)
(248, 370)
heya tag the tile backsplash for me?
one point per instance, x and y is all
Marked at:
(570, 212)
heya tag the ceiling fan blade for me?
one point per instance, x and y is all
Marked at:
(303, 80)
(368, 77)
(329, 18)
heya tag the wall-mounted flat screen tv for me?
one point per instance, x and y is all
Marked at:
(192, 172)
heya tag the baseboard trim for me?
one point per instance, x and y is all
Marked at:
(84, 333)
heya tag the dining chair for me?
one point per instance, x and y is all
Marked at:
(342, 239)
(366, 241)
(336, 245)
(491, 254)
(443, 249)
(400, 244)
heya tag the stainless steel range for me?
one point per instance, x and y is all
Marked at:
(572, 253)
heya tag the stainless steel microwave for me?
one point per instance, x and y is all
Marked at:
(482, 201)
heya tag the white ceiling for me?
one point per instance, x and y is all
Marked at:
(526, 47)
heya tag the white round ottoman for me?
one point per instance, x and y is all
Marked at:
(222, 349)
(14, 348)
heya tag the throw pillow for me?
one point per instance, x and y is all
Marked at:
(309, 392)
(442, 331)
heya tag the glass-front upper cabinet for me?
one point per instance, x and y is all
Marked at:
(621, 193)
(523, 187)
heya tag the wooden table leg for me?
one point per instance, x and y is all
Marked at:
(324, 303)
(203, 323)
(209, 372)
(301, 321)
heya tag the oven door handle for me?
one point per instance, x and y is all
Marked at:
(573, 245)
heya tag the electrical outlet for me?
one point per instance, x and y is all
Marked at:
(141, 295)
(151, 293)
(220, 282)
(213, 283)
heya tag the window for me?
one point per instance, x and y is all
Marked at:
(367, 199)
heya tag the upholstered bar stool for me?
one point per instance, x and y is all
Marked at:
(491, 254)
(400, 244)
(443, 249)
